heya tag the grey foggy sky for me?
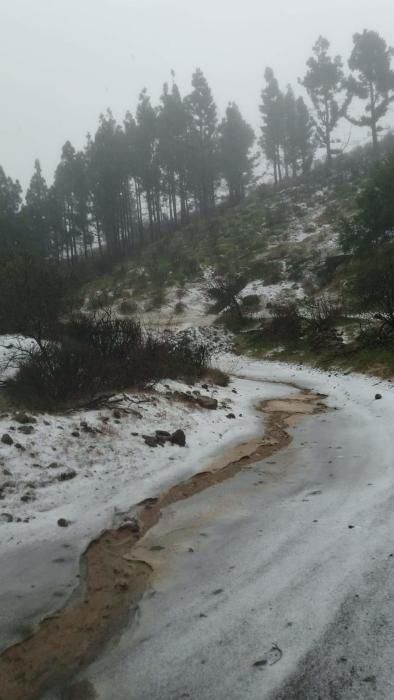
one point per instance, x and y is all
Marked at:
(63, 62)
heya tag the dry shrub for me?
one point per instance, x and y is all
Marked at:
(99, 354)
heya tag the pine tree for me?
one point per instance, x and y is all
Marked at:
(173, 134)
(147, 159)
(290, 147)
(10, 195)
(108, 172)
(372, 81)
(305, 134)
(235, 143)
(324, 82)
(272, 111)
(36, 209)
(203, 166)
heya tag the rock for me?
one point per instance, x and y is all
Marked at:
(67, 475)
(163, 434)
(54, 465)
(178, 438)
(24, 418)
(7, 439)
(207, 402)
(20, 447)
(117, 414)
(6, 518)
(26, 429)
(28, 497)
(230, 415)
(151, 440)
(76, 434)
(378, 396)
(62, 522)
(205, 386)
(132, 524)
(86, 428)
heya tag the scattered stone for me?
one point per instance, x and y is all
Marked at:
(24, 418)
(6, 518)
(28, 497)
(369, 679)
(151, 440)
(205, 386)
(76, 434)
(20, 447)
(178, 438)
(207, 402)
(218, 591)
(54, 465)
(351, 527)
(132, 525)
(62, 522)
(86, 428)
(26, 429)
(234, 391)
(378, 396)
(117, 414)
(230, 415)
(67, 475)
(7, 439)
(163, 434)
(260, 663)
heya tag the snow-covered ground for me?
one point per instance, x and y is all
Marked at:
(86, 466)
(271, 292)
(277, 583)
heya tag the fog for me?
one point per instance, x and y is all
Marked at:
(65, 61)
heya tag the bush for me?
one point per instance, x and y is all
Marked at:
(100, 354)
(180, 307)
(128, 307)
(251, 302)
(271, 271)
(157, 300)
(286, 321)
(321, 313)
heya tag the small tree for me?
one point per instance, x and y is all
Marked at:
(224, 291)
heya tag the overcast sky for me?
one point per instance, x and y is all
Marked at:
(63, 62)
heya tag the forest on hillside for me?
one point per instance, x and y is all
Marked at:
(171, 162)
